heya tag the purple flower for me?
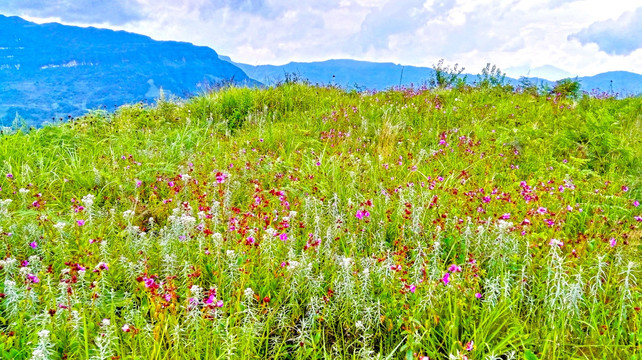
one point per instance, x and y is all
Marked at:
(80, 222)
(33, 278)
(446, 278)
(541, 210)
(454, 268)
(612, 242)
(361, 214)
(413, 287)
(636, 203)
(505, 216)
(478, 295)
(9, 176)
(33, 245)
(283, 237)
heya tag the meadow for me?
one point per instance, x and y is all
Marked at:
(307, 222)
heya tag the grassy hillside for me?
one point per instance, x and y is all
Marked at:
(300, 222)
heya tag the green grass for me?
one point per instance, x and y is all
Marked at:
(225, 226)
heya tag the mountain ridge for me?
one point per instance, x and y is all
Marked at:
(54, 70)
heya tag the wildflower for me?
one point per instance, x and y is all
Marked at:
(33, 278)
(101, 266)
(625, 188)
(9, 176)
(636, 203)
(361, 214)
(541, 210)
(638, 218)
(470, 345)
(446, 278)
(33, 245)
(126, 328)
(80, 222)
(505, 216)
(413, 287)
(478, 295)
(454, 268)
(283, 237)
(138, 183)
(612, 242)
(220, 177)
(555, 242)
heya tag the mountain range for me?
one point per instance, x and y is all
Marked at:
(53, 71)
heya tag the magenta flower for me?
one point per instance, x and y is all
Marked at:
(33, 278)
(454, 268)
(478, 295)
(413, 288)
(541, 210)
(9, 176)
(505, 216)
(80, 222)
(446, 278)
(361, 214)
(612, 242)
(625, 188)
(638, 218)
(283, 237)
(138, 183)
(33, 245)
(470, 345)
(636, 203)
(125, 328)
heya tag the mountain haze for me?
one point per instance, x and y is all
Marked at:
(54, 70)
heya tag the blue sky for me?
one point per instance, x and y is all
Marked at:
(584, 37)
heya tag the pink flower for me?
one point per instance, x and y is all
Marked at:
(505, 216)
(636, 203)
(541, 210)
(33, 245)
(283, 237)
(446, 278)
(478, 295)
(33, 278)
(80, 222)
(638, 218)
(138, 183)
(219, 303)
(470, 345)
(361, 214)
(125, 328)
(454, 268)
(625, 188)
(413, 288)
(612, 242)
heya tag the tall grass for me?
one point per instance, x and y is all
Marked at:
(310, 222)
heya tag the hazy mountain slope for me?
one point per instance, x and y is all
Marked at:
(56, 70)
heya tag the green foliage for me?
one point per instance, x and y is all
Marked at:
(567, 88)
(445, 76)
(303, 222)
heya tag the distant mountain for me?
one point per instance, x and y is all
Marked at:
(371, 75)
(623, 82)
(344, 73)
(548, 72)
(53, 70)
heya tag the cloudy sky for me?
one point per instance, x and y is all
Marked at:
(584, 37)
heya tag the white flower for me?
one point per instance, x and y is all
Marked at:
(59, 225)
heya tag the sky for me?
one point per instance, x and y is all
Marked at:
(583, 37)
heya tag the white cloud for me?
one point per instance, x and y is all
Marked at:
(415, 32)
